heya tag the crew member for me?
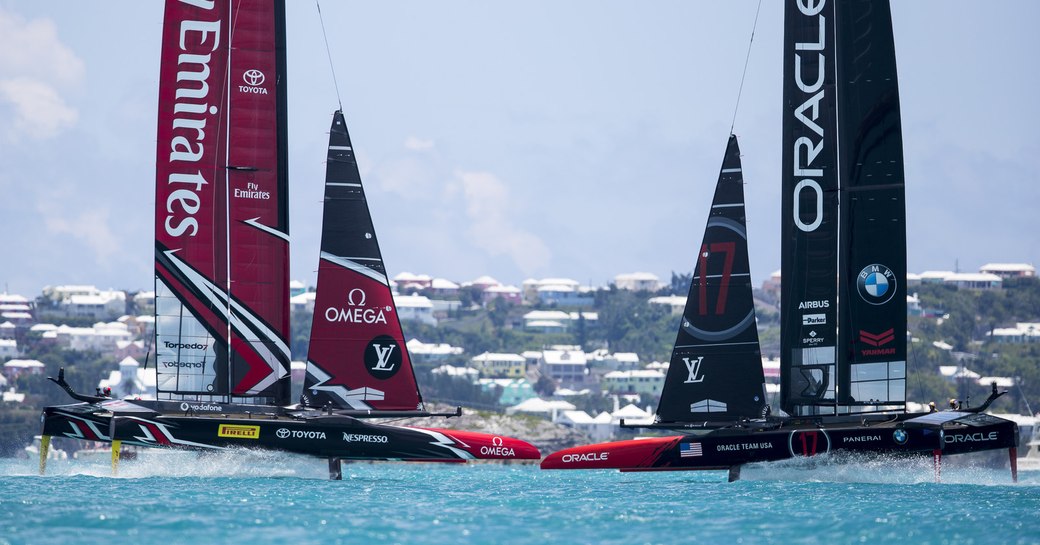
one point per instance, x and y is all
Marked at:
(931, 407)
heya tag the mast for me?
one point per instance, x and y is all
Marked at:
(357, 357)
(809, 215)
(220, 204)
(715, 372)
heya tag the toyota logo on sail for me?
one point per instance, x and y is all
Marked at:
(282, 433)
(253, 77)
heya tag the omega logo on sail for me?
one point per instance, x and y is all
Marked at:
(191, 111)
(356, 312)
(804, 147)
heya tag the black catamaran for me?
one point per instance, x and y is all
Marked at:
(221, 275)
(843, 298)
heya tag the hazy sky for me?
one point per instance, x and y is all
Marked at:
(517, 139)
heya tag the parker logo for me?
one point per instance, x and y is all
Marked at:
(814, 319)
(383, 357)
(238, 432)
(876, 284)
(877, 339)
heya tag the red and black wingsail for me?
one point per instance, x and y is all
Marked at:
(357, 357)
(715, 372)
(221, 216)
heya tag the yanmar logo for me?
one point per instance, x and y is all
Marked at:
(878, 340)
(238, 432)
(590, 457)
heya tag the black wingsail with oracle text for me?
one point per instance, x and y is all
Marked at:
(715, 372)
(809, 212)
(357, 357)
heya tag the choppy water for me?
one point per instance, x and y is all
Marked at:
(274, 498)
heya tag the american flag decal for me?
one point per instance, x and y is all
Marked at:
(689, 450)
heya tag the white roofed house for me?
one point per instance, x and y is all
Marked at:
(303, 302)
(432, 353)
(15, 368)
(646, 382)
(95, 304)
(567, 367)
(1009, 270)
(510, 294)
(16, 310)
(500, 365)
(1023, 332)
(675, 303)
(8, 349)
(637, 281)
(974, 281)
(440, 287)
(130, 380)
(547, 321)
(102, 337)
(417, 308)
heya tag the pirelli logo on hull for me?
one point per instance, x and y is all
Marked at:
(238, 432)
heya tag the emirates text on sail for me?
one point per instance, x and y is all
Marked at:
(198, 40)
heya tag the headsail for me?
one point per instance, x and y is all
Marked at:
(357, 357)
(843, 336)
(716, 365)
(221, 257)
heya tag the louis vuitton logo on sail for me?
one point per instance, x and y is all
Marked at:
(192, 114)
(693, 368)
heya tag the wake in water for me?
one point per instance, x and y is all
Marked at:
(234, 463)
(851, 467)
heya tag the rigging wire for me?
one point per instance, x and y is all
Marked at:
(328, 51)
(744, 73)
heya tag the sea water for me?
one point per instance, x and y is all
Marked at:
(262, 498)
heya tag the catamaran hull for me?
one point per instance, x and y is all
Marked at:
(728, 448)
(326, 436)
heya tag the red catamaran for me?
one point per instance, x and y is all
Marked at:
(222, 271)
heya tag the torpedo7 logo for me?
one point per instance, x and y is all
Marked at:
(383, 357)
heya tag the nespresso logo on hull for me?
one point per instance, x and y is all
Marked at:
(197, 40)
(808, 146)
